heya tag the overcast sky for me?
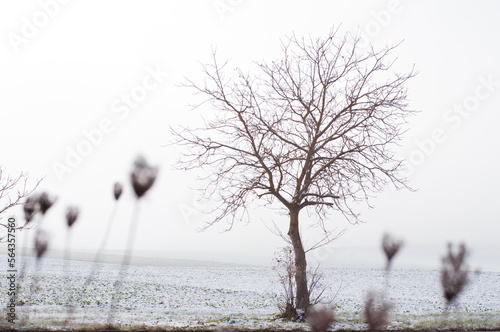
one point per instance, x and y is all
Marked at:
(85, 86)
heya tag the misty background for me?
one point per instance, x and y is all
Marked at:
(103, 79)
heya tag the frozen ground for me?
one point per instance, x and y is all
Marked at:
(240, 297)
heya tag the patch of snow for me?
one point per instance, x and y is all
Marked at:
(186, 296)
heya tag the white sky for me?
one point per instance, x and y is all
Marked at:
(69, 74)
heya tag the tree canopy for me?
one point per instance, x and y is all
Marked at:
(312, 129)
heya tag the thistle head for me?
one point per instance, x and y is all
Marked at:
(391, 247)
(31, 207)
(143, 176)
(45, 202)
(454, 272)
(71, 215)
(41, 243)
(117, 190)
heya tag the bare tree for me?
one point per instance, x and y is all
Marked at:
(312, 130)
(13, 190)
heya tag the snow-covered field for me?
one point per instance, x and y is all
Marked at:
(240, 297)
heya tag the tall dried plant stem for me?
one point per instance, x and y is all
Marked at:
(102, 246)
(67, 258)
(20, 280)
(33, 289)
(449, 314)
(387, 280)
(387, 277)
(22, 272)
(24, 268)
(446, 315)
(104, 240)
(95, 264)
(126, 259)
(454, 276)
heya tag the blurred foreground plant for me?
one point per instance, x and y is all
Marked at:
(117, 192)
(142, 177)
(454, 273)
(72, 213)
(34, 204)
(391, 247)
(320, 319)
(377, 309)
(40, 246)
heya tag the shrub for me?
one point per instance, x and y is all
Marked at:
(285, 269)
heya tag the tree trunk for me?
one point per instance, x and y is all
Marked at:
(302, 296)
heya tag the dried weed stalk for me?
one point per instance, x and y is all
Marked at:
(72, 213)
(391, 247)
(117, 192)
(143, 176)
(454, 273)
(32, 206)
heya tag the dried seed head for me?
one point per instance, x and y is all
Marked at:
(117, 190)
(391, 247)
(71, 215)
(41, 243)
(454, 273)
(456, 260)
(376, 311)
(143, 176)
(45, 202)
(141, 162)
(320, 319)
(31, 207)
